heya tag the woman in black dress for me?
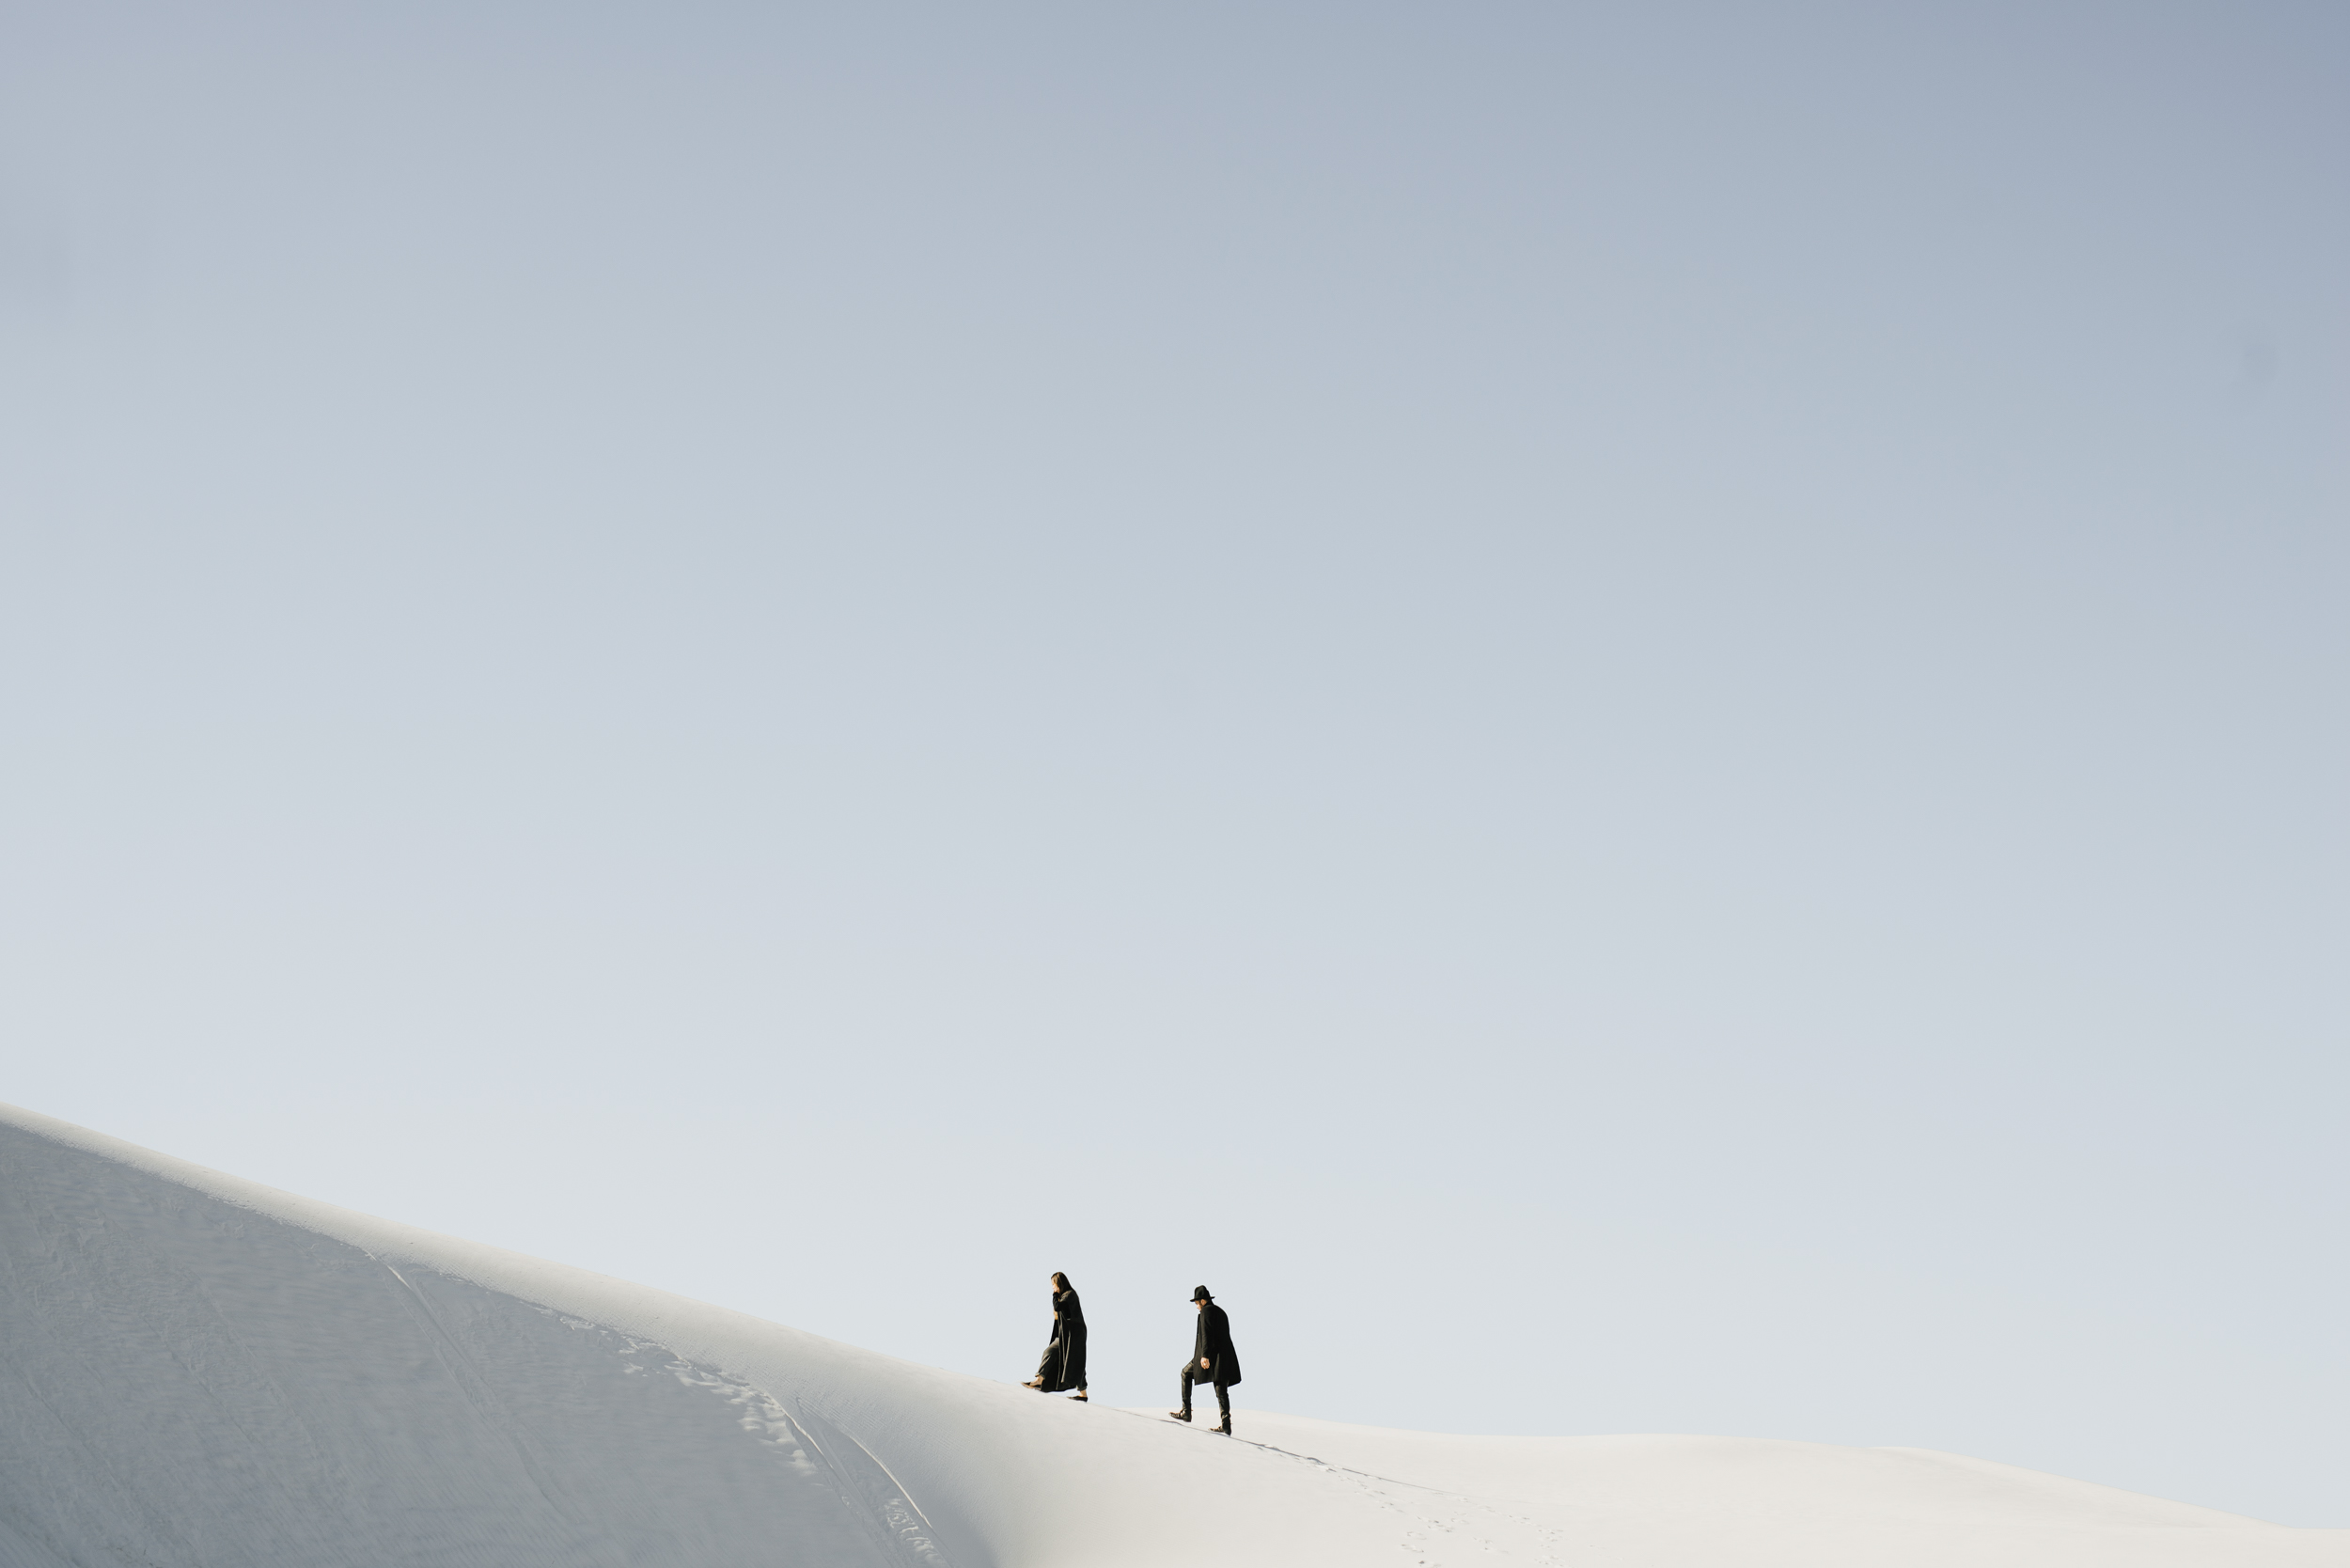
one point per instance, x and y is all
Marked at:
(1064, 1364)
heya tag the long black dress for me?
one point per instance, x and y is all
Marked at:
(1064, 1364)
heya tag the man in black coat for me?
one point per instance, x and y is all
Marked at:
(1212, 1359)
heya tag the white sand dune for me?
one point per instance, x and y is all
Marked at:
(203, 1371)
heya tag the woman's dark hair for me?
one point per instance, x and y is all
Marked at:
(1060, 1281)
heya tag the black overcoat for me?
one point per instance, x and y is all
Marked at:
(1064, 1364)
(1212, 1344)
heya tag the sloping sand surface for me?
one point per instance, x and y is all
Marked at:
(208, 1374)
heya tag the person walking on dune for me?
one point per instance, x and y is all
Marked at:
(1064, 1364)
(1212, 1359)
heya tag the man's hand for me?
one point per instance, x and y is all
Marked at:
(1203, 1363)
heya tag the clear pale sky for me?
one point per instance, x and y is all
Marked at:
(1634, 717)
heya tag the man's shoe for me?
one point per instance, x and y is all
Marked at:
(1179, 1414)
(1227, 1427)
(1080, 1397)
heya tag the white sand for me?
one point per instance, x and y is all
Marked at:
(203, 1371)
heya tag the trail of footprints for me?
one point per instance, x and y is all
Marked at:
(813, 1451)
(1470, 1528)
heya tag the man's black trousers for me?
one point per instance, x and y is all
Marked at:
(1194, 1372)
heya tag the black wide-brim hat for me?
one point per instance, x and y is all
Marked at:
(1199, 1293)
